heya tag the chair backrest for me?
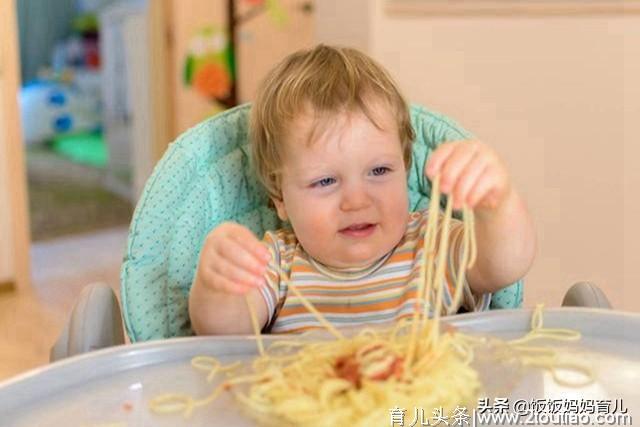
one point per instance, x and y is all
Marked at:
(203, 179)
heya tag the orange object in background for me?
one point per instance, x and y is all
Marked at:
(212, 80)
(260, 44)
(92, 55)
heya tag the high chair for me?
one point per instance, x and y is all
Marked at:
(204, 179)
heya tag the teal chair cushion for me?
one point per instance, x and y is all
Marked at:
(204, 179)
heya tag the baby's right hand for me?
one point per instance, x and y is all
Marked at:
(232, 260)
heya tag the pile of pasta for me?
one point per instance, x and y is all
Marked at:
(356, 380)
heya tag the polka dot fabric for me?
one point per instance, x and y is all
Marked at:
(204, 179)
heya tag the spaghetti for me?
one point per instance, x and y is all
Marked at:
(355, 381)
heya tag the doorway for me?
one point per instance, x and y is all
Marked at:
(74, 117)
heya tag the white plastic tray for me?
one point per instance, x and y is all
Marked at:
(112, 387)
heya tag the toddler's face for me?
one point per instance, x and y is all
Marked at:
(345, 193)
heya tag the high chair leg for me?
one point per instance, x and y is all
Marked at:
(585, 294)
(95, 323)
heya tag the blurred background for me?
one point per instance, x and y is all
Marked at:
(92, 92)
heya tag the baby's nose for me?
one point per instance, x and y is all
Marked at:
(354, 197)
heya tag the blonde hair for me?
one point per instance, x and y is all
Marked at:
(328, 80)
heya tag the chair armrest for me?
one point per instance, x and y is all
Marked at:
(585, 294)
(95, 323)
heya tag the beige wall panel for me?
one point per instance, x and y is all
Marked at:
(554, 96)
(263, 43)
(345, 23)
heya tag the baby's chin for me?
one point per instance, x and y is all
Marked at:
(353, 260)
(353, 255)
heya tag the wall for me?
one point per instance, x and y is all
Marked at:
(345, 23)
(41, 26)
(557, 96)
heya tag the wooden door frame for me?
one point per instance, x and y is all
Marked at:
(11, 140)
(160, 40)
(12, 149)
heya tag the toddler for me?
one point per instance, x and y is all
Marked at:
(331, 142)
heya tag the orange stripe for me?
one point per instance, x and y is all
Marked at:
(395, 258)
(344, 309)
(317, 289)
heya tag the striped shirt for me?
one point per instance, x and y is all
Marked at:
(382, 292)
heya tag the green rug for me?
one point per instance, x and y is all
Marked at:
(84, 148)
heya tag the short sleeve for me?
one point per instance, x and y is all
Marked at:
(270, 290)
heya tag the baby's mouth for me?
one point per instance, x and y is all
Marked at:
(358, 230)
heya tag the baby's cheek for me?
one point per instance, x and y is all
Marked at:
(400, 214)
(314, 232)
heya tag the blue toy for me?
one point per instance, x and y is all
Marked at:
(49, 109)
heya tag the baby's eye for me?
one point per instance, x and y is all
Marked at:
(380, 170)
(324, 182)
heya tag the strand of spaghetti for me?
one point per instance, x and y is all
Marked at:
(575, 367)
(429, 250)
(206, 363)
(463, 262)
(426, 268)
(179, 402)
(174, 402)
(546, 358)
(551, 334)
(530, 350)
(321, 319)
(538, 332)
(433, 334)
(536, 317)
(212, 366)
(471, 235)
(256, 327)
(440, 269)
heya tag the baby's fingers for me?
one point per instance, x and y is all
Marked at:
(481, 194)
(438, 158)
(239, 277)
(242, 240)
(242, 258)
(225, 284)
(466, 182)
(247, 255)
(455, 165)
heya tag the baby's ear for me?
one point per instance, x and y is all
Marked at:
(280, 209)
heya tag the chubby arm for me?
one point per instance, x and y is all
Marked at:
(232, 265)
(473, 175)
(220, 313)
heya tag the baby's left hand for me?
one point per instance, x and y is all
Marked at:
(471, 172)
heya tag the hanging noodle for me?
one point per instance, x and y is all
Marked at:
(355, 381)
